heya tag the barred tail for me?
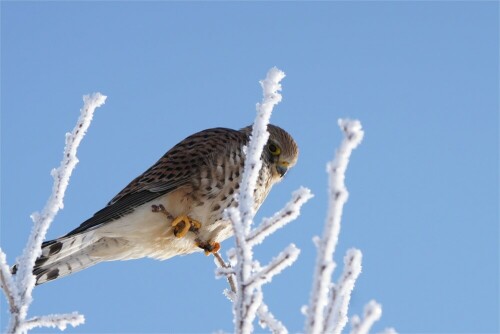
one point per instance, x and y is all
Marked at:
(70, 254)
(70, 264)
(63, 256)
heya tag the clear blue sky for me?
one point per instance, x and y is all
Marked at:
(421, 76)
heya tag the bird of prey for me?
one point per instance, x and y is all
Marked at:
(175, 207)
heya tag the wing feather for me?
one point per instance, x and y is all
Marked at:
(117, 210)
(177, 168)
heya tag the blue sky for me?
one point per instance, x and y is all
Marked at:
(421, 76)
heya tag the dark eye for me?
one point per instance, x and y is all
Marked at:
(275, 150)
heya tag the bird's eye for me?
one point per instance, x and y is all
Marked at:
(275, 150)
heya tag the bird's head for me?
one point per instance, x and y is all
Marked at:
(280, 152)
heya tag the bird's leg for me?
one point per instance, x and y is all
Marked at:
(181, 224)
(161, 209)
(210, 247)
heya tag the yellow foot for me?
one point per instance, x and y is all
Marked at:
(183, 224)
(210, 247)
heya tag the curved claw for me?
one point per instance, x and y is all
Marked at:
(194, 225)
(180, 230)
(210, 247)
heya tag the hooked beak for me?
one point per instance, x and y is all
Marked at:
(282, 167)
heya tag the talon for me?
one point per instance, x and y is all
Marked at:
(211, 247)
(215, 248)
(188, 224)
(181, 230)
(195, 225)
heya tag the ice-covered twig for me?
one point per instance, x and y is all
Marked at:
(266, 318)
(270, 88)
(285, 259)
(245, 306)
(336, 313)
(226, 271)
(60, 321)
(19, 288)
(61, 177)
(248, 273)
(8, 285)
(372, 313)
(388, 330)
(289, 213)
(353, 134)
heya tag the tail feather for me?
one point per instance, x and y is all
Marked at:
(68, 255)
(75, 262)
(55, 250)
(58, 249)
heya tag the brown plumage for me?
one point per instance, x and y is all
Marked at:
(198, 178)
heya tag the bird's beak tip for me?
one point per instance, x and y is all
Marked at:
(282, 169)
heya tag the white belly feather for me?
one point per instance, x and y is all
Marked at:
(144, 233)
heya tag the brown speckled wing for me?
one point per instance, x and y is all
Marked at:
(177, 168)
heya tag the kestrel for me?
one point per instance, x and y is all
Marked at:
(173, 208)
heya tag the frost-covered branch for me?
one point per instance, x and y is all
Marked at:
(336, 313)
(246, 298)
(266, 318)
(327, 311)
(319, 302)
(246, 271)
(289, 213)
(18, 289)
(270, 89)
(372, 313)
(285, 259)
(8, 285)
(60, 321)
(225, 270)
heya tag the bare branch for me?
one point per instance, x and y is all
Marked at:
(372, 313)
(285, 259)
(249, 297)
(289, 213)
(19, 289)
(353, 134)
(266, 318)
(60, 321)
(336, 314)
(270, 88)
(230, 276)
(8, 285)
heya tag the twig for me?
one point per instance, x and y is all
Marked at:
(19, 289)
(230, 278)
(7, 283)
(372, 313)
(353, 134)
(60, 321)
(266, 318)
(289, 213)
(336, 313)
(283, 260)
(248, 297)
